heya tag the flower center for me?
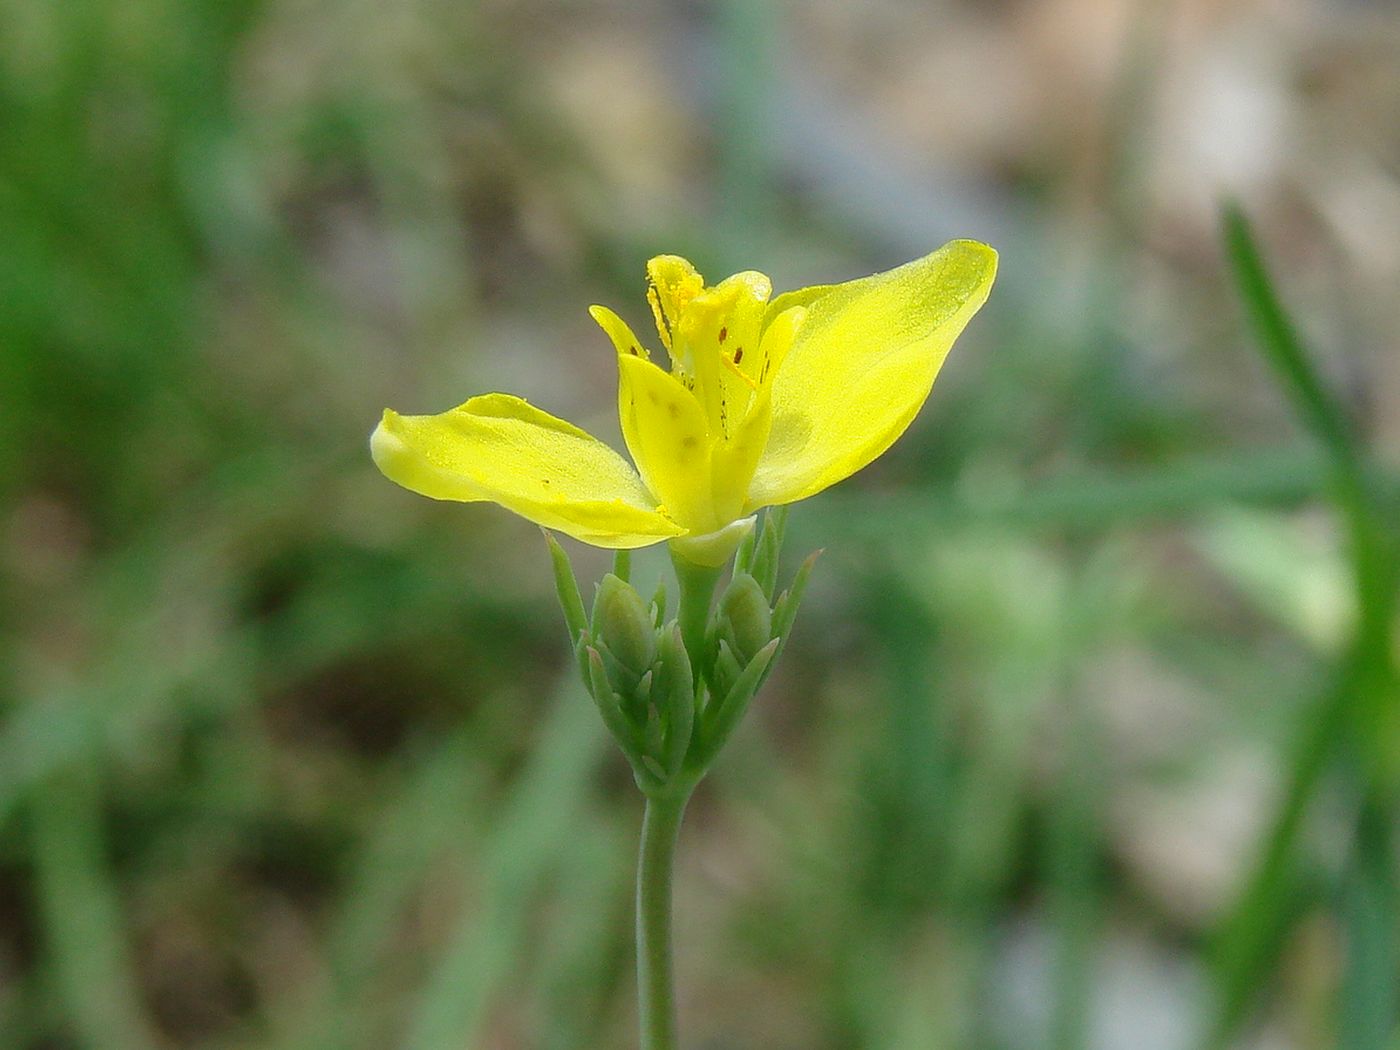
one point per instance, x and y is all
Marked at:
(712, 336)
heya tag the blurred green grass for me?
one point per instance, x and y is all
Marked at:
(1089, 717)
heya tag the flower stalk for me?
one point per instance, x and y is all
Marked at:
(656, 996)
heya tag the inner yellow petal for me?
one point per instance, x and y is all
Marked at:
(671, 283)
(666, 432)
(717, 342)
(619, 332)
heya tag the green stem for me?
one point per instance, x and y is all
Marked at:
(655, 969)
(697, 584)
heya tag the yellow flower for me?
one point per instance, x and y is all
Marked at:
(766, 402)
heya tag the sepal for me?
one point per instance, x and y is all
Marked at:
(713, 549)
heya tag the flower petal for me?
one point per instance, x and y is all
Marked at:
(500, 448)
(618, 330)
(779, 333)
(665, 430)
(716, 342)
(736, 458)
(861, 366)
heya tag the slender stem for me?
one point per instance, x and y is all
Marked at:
(656, 995)
(697, 584)
(655, 967)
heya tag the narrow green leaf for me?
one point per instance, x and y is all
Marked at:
(743, 557)
(731, 709)
(1374, 552)
(566, 583)
(1369, 1004)
(1247, 942)
(516, 860)
(1279, 340)
(769, 550)
(81, 912)
(610, 707)
(785, 611)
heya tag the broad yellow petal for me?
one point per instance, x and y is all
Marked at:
(861, 366)
(798, 297)
(778, 336)
(665, 430)
(500, 448)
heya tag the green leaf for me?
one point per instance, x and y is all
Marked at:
(1369, 1002)
(785, 611)
(743, 557)
(731, 710)
(1279, 340)
(566, 583)
(610, 707)
(769, 550)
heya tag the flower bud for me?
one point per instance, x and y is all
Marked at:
(679, 700)
(744, 611)
(623, 623)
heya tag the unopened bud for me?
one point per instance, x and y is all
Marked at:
(621, 621)
(744, 610)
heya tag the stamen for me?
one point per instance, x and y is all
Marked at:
(732, 363)
(663, 323)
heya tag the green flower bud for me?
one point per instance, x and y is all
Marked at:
(744, 611)
(679, 698)
(623, 623)
(726, 669)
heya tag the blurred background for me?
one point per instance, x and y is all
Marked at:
(1086, 735)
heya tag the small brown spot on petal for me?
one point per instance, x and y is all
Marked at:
(738, 354)
(654, 397)
(689, 442)
(673, 409)
(723, 334)
(635, 352)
